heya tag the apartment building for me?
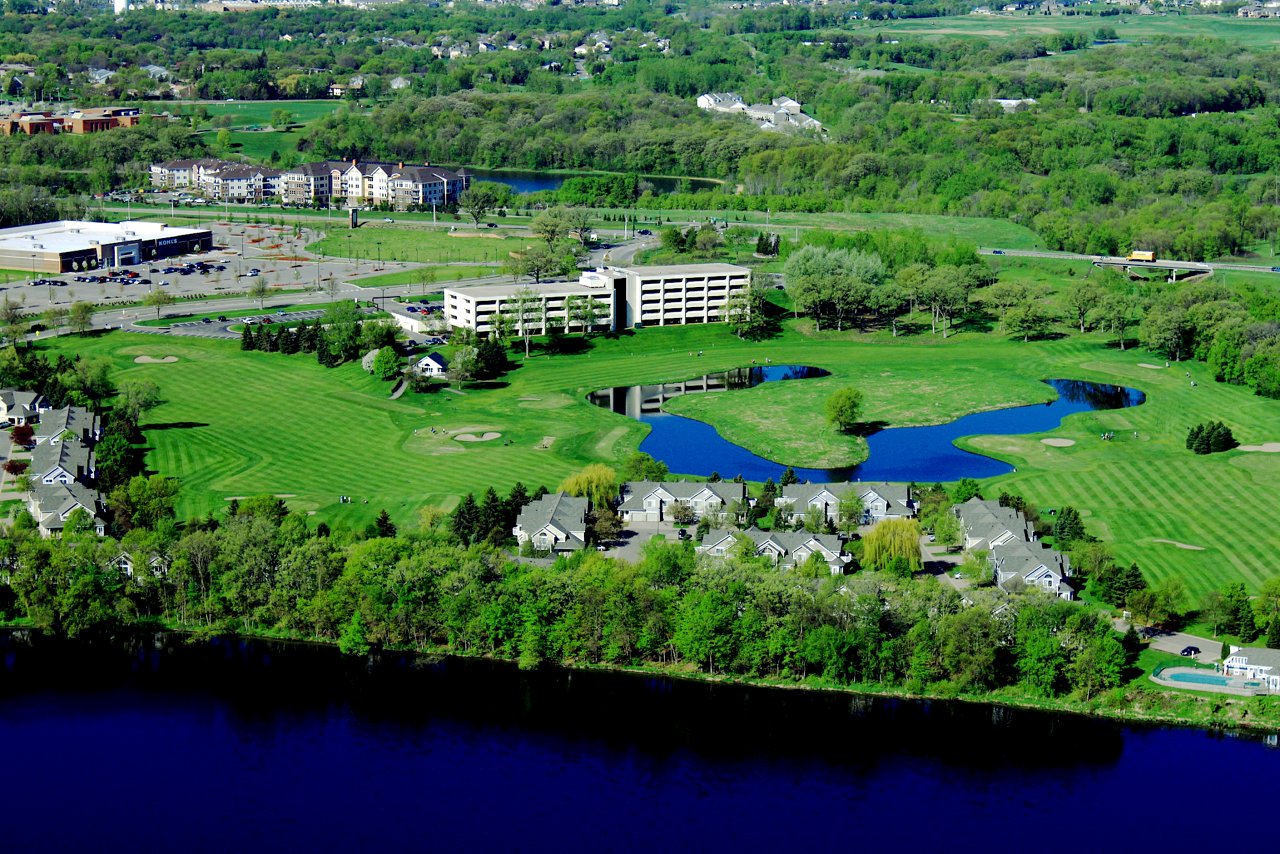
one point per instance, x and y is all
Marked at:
(624, 297)
(358, 184)
(224, 180)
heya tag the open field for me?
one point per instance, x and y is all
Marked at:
(404, 243)
(247, 113)
(1128, 27)
(241, 423)
(440, 273)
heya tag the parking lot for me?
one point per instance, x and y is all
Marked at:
(277, 252)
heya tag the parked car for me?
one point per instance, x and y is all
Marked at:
(387, 219)
(644, 232)
(206, 320)
(491, 224)
(997, 251)
(1188, 651)
(222, 318)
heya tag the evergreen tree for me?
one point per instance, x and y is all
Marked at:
(769, 490)
(1193, 436)
(1068, 527)
(384, 526)
(715, 477)
(1273, 633)
(1201, 444)
(246, 339)
(289, 342)
(789, 477)
(466, 518)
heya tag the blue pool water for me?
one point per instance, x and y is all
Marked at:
(905, 454)
(1198, 678)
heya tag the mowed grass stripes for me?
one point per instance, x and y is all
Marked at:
(238, 423)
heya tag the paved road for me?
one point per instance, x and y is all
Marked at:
(1120, 261)
(1176, 642)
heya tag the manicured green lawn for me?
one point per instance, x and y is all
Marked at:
(406, 243)
(441, 273)
(259, 112)
(1128, 27)
(242, 423)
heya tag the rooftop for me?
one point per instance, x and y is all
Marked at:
(542, 288)
(69, 235)
(685, 270)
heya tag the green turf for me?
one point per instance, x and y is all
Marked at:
(282, 424)
(451, 273)
(247, 113)
(404, 243)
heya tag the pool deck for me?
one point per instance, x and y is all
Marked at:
(1237, 687)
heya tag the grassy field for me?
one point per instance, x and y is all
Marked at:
(441, 273)
(404, 243)
(241, 423)
(1128, 27)
(246, 113)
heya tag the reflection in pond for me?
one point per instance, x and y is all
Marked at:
(922, 454)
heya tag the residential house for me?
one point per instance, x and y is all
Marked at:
(398, 83)
(787, 549)
(99, 76)
(880, 501)
(432, 365)
(63, 462)
(157, 565)
(1016, 559)
(353, 86)
(21, 407)
(72, 422)
(646, 501)
(1255, 663)
(554, 523)
(721, 102)
(51, 505)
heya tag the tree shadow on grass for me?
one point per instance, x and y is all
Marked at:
(174, 425)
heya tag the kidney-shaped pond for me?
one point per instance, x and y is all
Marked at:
(922, 454)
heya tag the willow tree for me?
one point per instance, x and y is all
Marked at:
(893, 542)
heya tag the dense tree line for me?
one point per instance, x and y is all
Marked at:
(263, 568)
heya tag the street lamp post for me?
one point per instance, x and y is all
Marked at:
(378, 243)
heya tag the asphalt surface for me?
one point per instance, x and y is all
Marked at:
(1121, 261)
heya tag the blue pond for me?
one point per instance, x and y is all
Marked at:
(921, 454)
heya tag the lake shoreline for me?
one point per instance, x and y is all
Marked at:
(393, 663)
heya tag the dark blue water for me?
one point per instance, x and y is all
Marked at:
(261, 749)
(534, 182)
(903, 454)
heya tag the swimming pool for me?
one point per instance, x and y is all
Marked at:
(1210, 679)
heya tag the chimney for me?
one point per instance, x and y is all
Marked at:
(353, 161)
(426, 163)
(400, 165)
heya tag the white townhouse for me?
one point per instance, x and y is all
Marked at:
(647, 501)
(787, 549)
(1255, 663)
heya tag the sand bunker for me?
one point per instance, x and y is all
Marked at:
(1186, 546)
(1058, 443)
(152, 360)
(472, 437)
(1265, 447)
(1152, 367)
(529, 398)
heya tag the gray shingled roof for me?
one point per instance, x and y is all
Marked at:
(55, 500)
(634, 492)
(75, 419)
(71, 454)
(564, 512)
(1260, 657)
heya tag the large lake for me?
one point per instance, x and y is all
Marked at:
(256, 746)
(905, 454)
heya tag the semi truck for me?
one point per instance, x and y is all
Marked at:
(1142, 255)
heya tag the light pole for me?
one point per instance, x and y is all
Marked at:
(378, 243)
